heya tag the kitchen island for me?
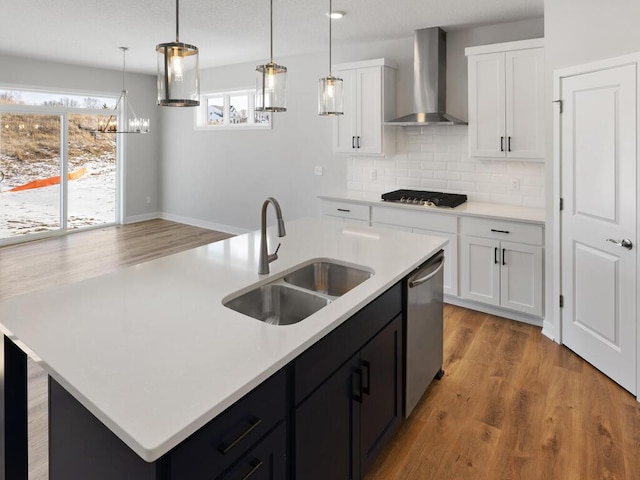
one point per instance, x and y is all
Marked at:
(152, 353)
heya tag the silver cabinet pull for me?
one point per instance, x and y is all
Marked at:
(624, 243)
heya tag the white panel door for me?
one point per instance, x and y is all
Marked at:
(480, 274)
(487, 105)
(525, 103)
(598, 162)
(345, 125)
(521, 278)
(369, 120)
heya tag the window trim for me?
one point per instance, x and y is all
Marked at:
(201, 114)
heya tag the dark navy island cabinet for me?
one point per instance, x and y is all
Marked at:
(326, 415)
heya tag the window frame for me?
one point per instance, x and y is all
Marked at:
(201, 121)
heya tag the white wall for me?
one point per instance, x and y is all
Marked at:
(142, 168)
(219, 179)
(576, 32)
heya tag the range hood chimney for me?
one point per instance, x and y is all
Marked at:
(429, 81)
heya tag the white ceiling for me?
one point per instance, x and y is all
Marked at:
(89, 32)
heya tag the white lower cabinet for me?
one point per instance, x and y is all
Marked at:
(428, 223)
(490, 263)
(347, 211)
(500, 272)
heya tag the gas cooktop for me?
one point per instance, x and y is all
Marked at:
(422, 197)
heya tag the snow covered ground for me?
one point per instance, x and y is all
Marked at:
(92, 201)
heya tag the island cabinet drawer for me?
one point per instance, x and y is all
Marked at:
(219, 444)
(502, 230)
(322, 359)
(353, 211)
(266, 461)
(426, 219)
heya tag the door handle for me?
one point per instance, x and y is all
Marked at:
(357, 394)
(367, 390)
(503, 260)
(624, 243)
(495, 255)
(508, 144)
(353, 142)
(358, 141)
(502, 144)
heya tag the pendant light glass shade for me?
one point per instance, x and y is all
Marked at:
(178, 72)
(330, 87)
(271, 81)
(330, 96)
(129, 123)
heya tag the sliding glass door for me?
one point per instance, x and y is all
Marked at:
(57, 172)
(30, 162)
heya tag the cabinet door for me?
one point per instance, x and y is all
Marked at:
(521, 278)
(480, 269)
(487, 105)
(381, 411)
(450, 262)
(369, 110)
(525, 103)
(345, 125)
(326, 426)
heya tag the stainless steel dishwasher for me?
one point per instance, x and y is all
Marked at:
(424, 335)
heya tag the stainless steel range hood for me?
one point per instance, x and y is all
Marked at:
(429, 81)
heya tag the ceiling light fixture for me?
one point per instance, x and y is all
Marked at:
(130, 122)
(271, 80)
(178, 76)
(330, 88)
(336, 14)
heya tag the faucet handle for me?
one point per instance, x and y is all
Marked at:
(277, 248)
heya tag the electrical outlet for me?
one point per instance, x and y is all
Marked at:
(317, 170)
(514, 185)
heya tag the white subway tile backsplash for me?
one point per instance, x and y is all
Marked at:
(363, 162)
(436, 158)
(444, 175)
(447, 157)
(405, 182)
(419, 157)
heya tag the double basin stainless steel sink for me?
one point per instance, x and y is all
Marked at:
(295, 296)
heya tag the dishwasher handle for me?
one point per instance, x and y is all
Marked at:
(431, 269)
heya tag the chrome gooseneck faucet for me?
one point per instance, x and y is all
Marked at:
(265, 256)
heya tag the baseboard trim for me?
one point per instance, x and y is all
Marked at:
(549, 331)
(511, 315)
(142, 218)
(202, 224)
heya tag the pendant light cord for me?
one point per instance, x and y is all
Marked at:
(124, 65)
(271, 29)
(177, 21)
(330, 21)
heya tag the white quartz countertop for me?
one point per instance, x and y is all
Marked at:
(469, 208)
(151, 351)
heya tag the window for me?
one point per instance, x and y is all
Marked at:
(230, 110)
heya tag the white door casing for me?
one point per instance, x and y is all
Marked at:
(598, 151)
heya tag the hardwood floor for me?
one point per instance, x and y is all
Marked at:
(512, 404)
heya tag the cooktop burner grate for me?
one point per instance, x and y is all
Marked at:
(422, 197)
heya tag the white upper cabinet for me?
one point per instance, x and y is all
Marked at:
(369, 100)
(506, 100)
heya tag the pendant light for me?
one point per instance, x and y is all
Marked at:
(178, 76)
(130, 122)
(330, 87)
(271, 80)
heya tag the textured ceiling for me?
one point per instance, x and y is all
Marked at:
(88, 32)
